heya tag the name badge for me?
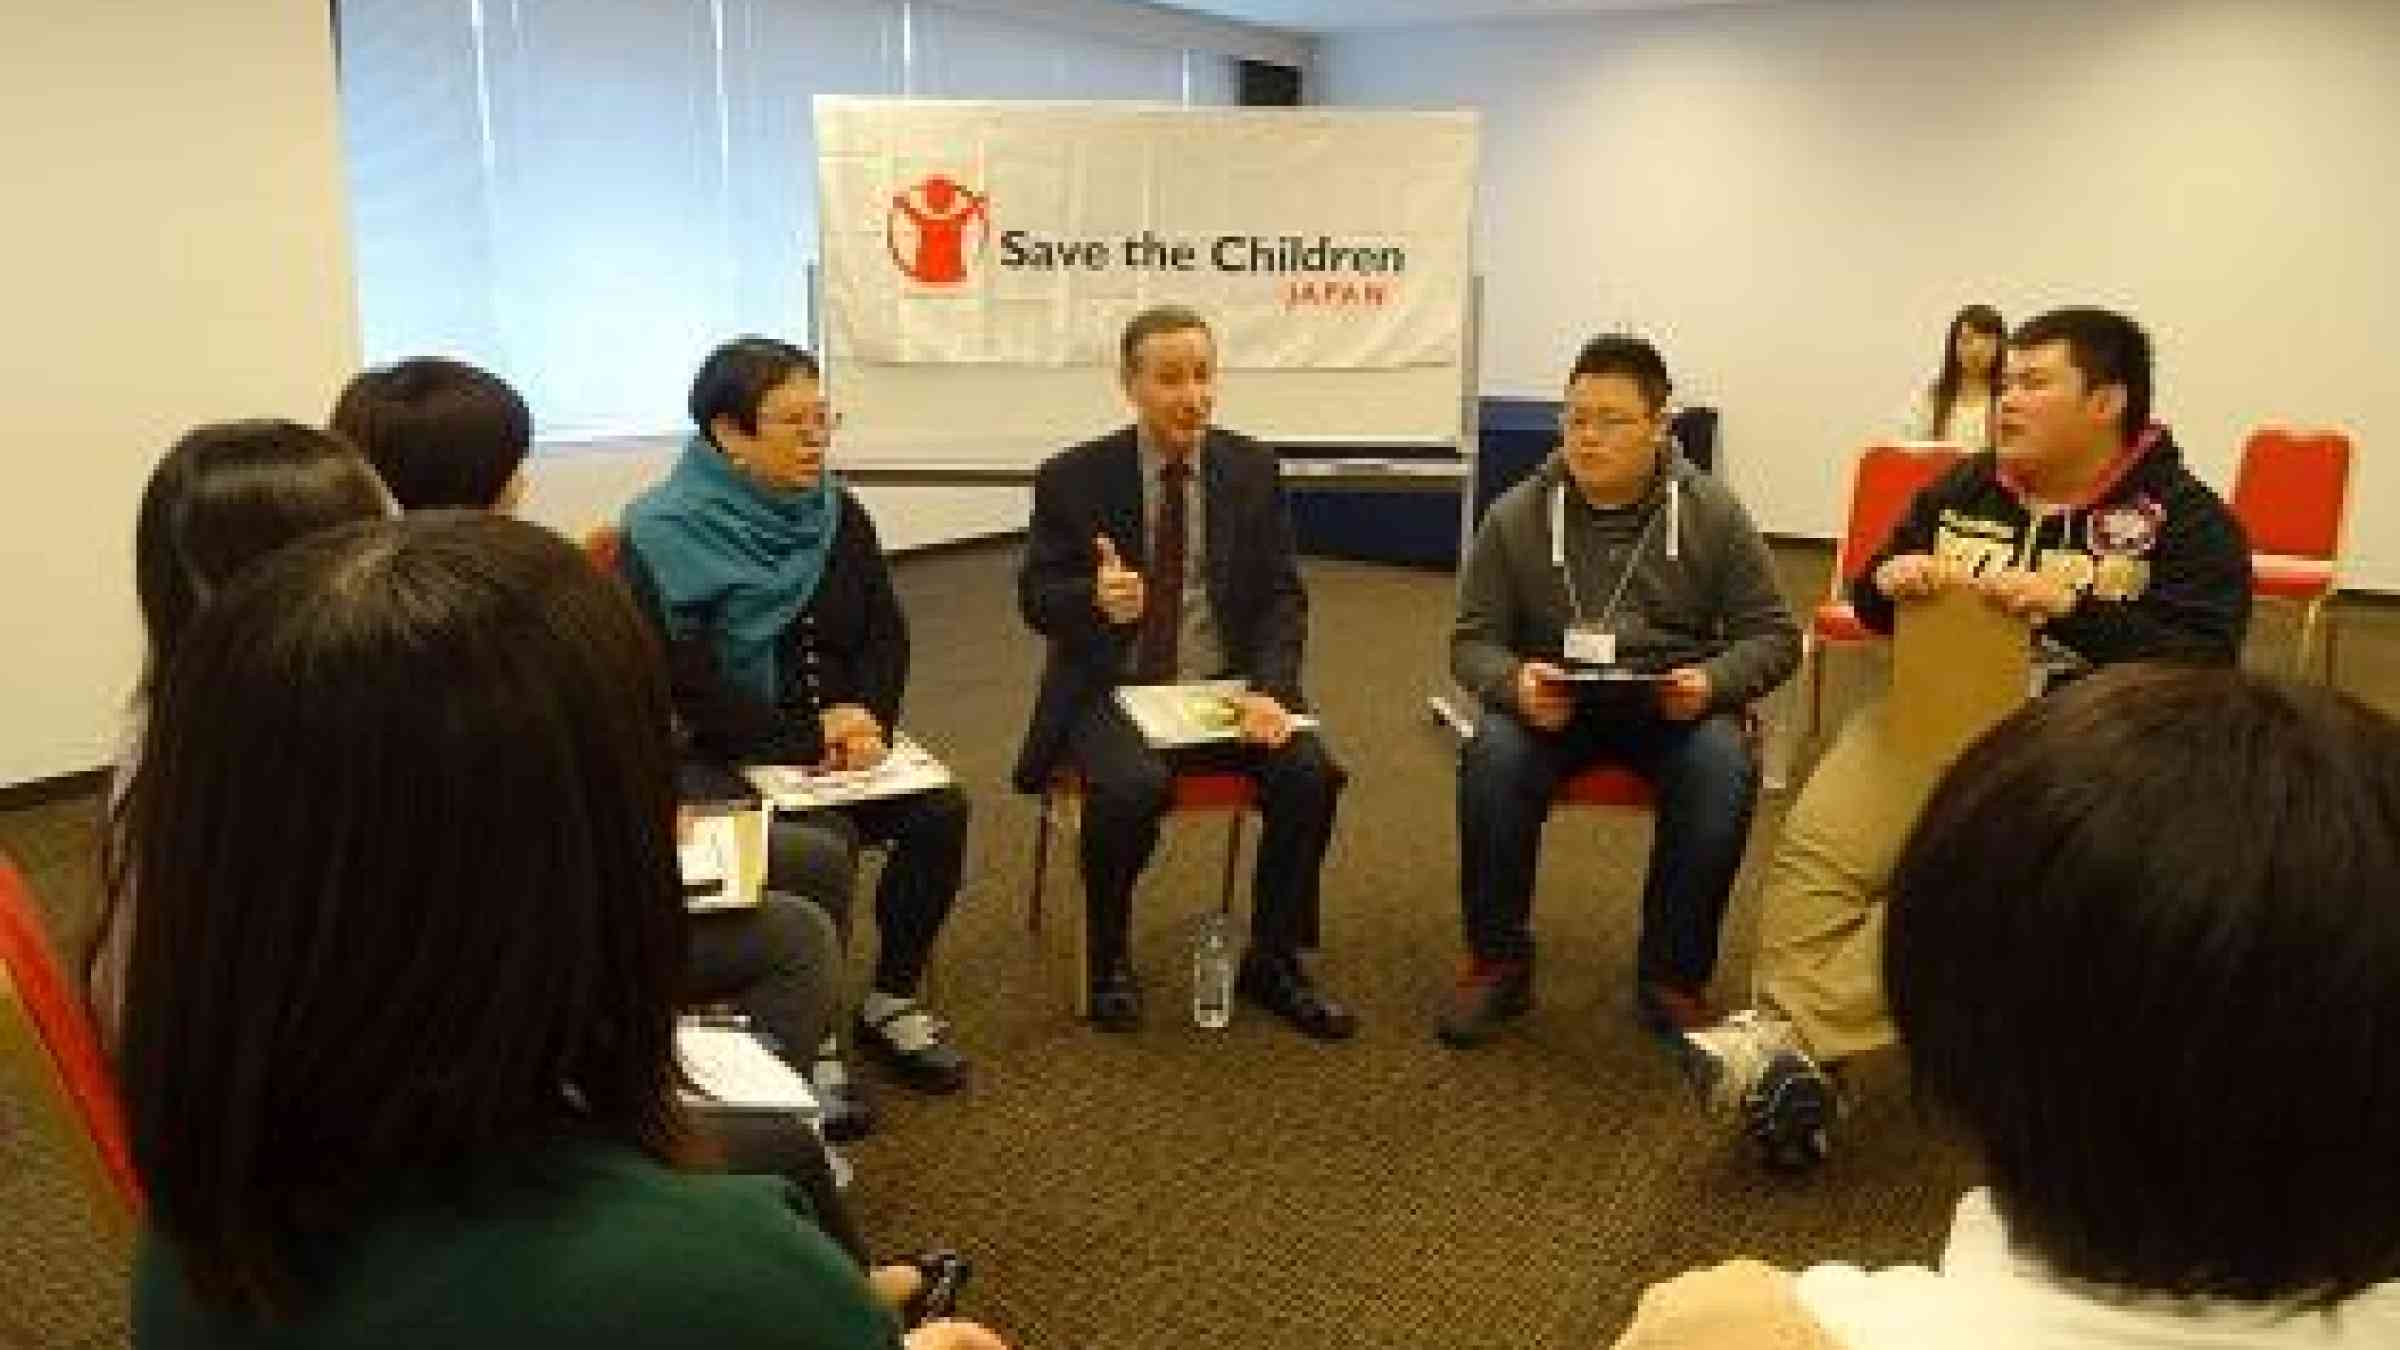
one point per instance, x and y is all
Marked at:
(1588, 646)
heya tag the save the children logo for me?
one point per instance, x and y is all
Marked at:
(939, 228)
(927, 228)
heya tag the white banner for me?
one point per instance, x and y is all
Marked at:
(1027, 233)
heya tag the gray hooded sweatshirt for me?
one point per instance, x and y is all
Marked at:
(1698, 586)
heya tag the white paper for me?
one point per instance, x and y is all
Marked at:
(907, 769)
(732, 1067)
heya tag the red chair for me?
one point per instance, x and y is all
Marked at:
(1233, 793)
(2292, 495)
(602, 544)
(1608, 783)
(47, 1041)
(1886, 478)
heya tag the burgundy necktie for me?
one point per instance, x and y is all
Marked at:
(1162, 605)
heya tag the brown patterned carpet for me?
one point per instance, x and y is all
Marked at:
(1247, 1188)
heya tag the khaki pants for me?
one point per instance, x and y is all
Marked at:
(1820, 927)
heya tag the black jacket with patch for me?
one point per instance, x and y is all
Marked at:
(2160, 567)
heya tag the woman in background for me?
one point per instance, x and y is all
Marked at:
(399, 1040)
(1959, 405)
(2141, 949)
(222, 496)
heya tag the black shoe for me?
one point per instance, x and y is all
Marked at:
(1116, 999)
(930, 1064)
(1279, 984)
(843, 1112)
(1488, 994)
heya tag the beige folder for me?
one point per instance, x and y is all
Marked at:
(1958, 666)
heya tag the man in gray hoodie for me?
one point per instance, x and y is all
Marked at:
(1618, 604)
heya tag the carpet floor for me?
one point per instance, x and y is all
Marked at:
(1247, 1187)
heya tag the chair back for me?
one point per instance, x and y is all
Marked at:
(2293, 489)
(602, 544)
(53, 1062)
(1887, 476)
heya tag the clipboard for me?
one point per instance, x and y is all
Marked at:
(1959, 667)
(1603, 675)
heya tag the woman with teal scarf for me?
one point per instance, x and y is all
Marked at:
(786, 645)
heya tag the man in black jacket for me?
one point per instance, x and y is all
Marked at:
(2086, 526)
(1161, 553)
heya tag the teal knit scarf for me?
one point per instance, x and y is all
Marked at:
(721, 546)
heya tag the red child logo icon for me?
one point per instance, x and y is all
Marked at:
(940, 212)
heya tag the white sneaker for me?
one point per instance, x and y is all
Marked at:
(1752, 1068)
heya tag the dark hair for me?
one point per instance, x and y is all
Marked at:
(441, 432)
(1943, 393)
(1629, 356)
(1153, 321)
(223, 495)
(2141, 944)
(2106, 347)
(401, 831)
(735, 379)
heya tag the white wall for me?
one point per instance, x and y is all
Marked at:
(1794, 198)
(173, 251)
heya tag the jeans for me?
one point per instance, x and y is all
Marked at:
(1706, 785)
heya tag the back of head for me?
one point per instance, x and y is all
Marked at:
(2142, 944)
(2105, 347)
(1631, 357)
(441, 432)
(402, 837)
(226, 494)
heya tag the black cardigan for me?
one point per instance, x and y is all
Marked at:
(848, 644)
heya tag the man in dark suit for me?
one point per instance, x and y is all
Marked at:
(1161, 553)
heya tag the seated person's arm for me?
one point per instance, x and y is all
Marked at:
(1734, 1306)
(725, 721)
(1057, 585)
(1904, 568)
(1282, 628)
(880, 667)
(2195, 606)
(1482, 659)
(1762, 642)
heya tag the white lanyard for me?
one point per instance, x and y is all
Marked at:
(1558, 558)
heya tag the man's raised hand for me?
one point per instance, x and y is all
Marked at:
(1116, 588)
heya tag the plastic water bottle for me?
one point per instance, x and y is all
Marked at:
(1212, 975)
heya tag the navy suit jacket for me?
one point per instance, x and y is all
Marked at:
(1253, 579)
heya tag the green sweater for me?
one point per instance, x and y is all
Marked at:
(590, 1245)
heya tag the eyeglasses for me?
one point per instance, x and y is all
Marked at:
(1604, 426)
(811, 424)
